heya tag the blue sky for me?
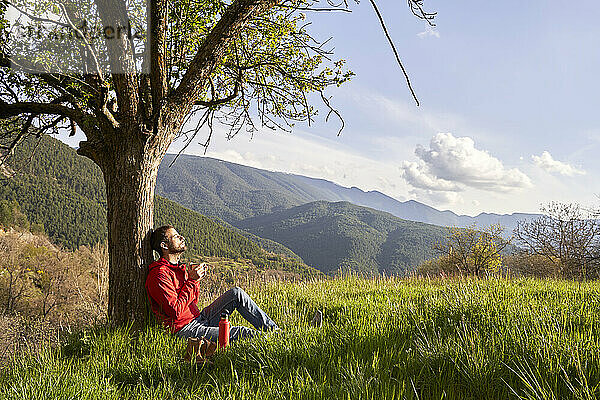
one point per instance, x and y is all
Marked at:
(507, 120)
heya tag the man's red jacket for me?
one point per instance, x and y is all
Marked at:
(172, 295)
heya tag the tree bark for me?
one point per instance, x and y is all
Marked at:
(130, 168)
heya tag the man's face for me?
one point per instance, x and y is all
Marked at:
(174, 242)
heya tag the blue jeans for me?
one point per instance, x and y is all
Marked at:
(207, 323)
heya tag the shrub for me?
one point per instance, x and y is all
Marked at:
(526, 264)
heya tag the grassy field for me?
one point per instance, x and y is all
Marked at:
(385, 338)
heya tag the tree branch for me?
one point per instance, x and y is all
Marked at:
(16, 109)
(85, 41)
(158, 71)
(212, 49)
(216, 102)
(416, 7)
(35, 18)
(87, 122)
(334, 111)
(120, 54)
(391, 42)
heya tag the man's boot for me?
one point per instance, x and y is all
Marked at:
(199, 349)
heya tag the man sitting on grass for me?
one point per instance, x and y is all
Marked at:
(173, 290)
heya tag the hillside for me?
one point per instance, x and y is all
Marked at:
(65, 194)
(234, 192)
(343, 235)
(228, 191)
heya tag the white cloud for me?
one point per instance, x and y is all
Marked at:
(418, 175)
(546, 162)
(245, 158)
(437, 199)
(451, 163)
(429, 32)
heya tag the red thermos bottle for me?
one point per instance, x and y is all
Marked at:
(224, 331)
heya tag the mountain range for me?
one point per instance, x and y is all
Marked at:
(64, 193)
(234, 192)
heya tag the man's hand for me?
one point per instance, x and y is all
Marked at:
(197, 271)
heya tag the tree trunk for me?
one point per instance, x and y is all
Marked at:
(130, 171)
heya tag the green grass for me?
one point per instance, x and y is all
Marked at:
(387, 338)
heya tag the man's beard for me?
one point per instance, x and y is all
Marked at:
(175, 250)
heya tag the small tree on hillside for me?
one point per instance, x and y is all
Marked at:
(472, 251)
(567, 236)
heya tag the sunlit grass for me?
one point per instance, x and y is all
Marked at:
(383, 338)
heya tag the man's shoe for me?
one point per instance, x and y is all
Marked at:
(317, 320)
(192, 349)
(208, 348)
(199, 349)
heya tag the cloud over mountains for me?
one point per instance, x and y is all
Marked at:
(452, 164)
(547, 163)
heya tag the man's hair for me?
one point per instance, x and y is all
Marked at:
(158, 236)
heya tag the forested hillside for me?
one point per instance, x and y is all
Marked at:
(58, 189)
(228, 191)
(64, 193)
(343, 235)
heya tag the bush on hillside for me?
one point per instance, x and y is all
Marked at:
(12, 216)
(472, 250)
(535, 265)
(441, 266)
(567, 236)
(41, 281)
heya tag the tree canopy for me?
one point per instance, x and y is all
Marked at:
(262, 76)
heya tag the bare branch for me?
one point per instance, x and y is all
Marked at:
(416, 7)
(332, 110)
(205, 119)
(332, 9)
(36, 18)
(16, 109)
(87, 44)
(566, 236)
(217, 102)
(391, 42)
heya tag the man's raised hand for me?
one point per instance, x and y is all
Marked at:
(197, 271)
